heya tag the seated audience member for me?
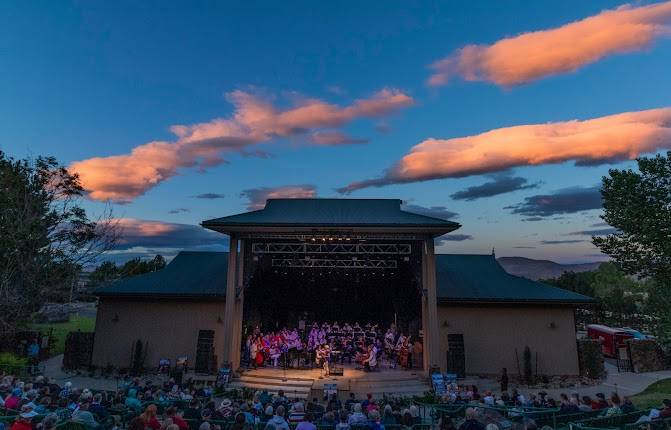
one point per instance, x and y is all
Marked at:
(149, 418)
(471, 422)
(278, 422)
(349, 402)
(306, 423)
(343, 424)
(357, 418)
(25, 419)
(627, 406)
(388, 418)
(374, 420)
(666, 410)
(171, 413)
(600, 402)
(296, 413)
(328, 420)
(83, 416)
(614, 407)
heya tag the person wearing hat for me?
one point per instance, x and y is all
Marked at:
(25, 419)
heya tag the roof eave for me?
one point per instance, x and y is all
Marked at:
(471, 301)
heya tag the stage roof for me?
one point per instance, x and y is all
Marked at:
(379, 214)
(480, 278)
(462, 279)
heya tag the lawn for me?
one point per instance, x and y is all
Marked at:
(61, 330)
(653, 395)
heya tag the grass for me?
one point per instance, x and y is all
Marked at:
(61, 330)
(653, 395)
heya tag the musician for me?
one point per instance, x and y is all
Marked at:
(322, 357)
(405, 354)
(370, 361)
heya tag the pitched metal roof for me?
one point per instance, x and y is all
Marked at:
(460, 279)
(188, 275)
(331, 213)
(480, 278)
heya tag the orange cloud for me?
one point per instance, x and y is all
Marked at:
(595, 141)
(257, 196)
(538, 54)
(122, 178)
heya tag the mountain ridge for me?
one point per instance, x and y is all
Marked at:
(542, 269)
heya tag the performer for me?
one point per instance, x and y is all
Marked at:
(322, 356)
(371, 358)
(404, 359)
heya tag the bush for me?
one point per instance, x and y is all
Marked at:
(9, 360)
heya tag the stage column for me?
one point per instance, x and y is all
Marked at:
(431, 331)
(239, 302)
(229, 313)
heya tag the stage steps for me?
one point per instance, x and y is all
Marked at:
(305, 384)
(293, 387)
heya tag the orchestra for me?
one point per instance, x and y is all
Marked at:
(321, 344)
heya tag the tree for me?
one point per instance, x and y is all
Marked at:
(108, 271)
(638, 205)
(46, 237)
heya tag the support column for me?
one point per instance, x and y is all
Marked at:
(239, 306)
(229, 313)
(434, 354)
(425, 326)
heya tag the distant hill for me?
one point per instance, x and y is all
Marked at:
(541, 269)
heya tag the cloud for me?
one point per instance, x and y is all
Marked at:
(539, 54)
(594, 232)
(500, 184)
(122, 178)
(432, 211)
(330, 138)
(209, 196)
(440, 240)
(158, 234)
(533, 219)
(567, 200)
(257, 196)
(179, 210)
(560, 242)
(595, 141)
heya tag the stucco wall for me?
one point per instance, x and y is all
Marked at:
(491, 334)
(170, 329)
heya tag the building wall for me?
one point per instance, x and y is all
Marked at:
(492, 333)
(170, 329)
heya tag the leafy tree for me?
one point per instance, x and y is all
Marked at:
(45, 235)
(108, 271)
(638, 205)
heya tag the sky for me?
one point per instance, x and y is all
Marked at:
(502, 117)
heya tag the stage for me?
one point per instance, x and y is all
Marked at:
(310, 383)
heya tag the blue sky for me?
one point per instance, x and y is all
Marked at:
(94, 79)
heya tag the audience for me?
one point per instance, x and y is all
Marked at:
(140, 405)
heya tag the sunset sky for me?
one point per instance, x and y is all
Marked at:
(501, 116)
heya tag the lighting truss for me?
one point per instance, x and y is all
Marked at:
(331, 248)
(300, 263)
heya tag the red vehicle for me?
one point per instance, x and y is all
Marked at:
(611, 338)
